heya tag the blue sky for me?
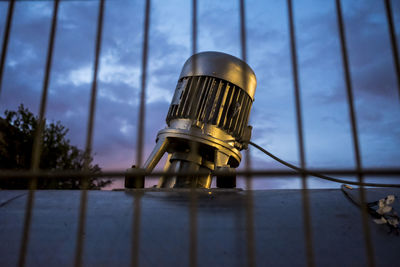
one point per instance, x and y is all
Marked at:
(326, 118)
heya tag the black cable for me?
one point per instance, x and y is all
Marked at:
(300, 170)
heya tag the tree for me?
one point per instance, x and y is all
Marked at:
(17, 132)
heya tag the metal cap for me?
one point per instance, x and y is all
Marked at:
(223, 66)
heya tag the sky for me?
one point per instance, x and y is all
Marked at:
(327, 129)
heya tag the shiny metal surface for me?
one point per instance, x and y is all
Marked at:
(207, 134)
(209, 100)
(223, 66)
(193, 148)
(188, 181)
(207, 122)
(156, 154)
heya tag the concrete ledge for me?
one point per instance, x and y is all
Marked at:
(164, 235)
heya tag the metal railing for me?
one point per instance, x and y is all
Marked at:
(248, 173)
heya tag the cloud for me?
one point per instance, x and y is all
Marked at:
(325, 111)
(111, 72)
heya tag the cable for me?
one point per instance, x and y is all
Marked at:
(287, 164)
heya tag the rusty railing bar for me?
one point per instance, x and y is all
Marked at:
(193, 228)
(369, 248)
(194, 26)
(193, 194)
(251, 248)
(140, 136)
(89, 140)
(136, 228)
(37, 143)
(393, 41)
(49, 174)
(48, 0)
(142, 104)
(6, 38)
(305, 195)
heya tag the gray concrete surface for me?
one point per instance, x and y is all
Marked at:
(164, 236)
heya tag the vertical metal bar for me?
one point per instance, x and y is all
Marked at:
(142, 107)
(194, 147)
(136, 229)
(243, 44)
(140, 136)
(89, 140)
(393, 41)
(353, 119)
(6, 38)
(251, 259)
(193, 221)
(305, 195)
(37, 143)
(194, 26)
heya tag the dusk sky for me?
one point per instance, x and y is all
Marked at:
(327, 127)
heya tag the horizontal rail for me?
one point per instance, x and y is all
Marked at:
(53, 0)
(81, 174)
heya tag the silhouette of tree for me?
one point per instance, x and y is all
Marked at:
(17, 132)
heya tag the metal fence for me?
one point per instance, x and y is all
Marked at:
(248, 173)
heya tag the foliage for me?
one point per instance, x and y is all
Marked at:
(17, 132)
